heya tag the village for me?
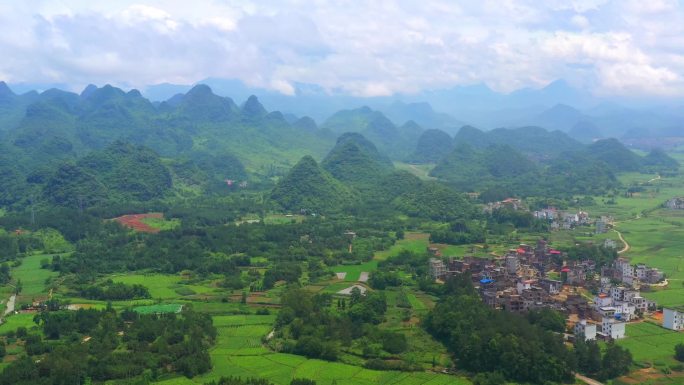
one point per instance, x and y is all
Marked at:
(598, 301)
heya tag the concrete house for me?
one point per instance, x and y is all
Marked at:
(673, 318)
(612, 328)
(587, 329)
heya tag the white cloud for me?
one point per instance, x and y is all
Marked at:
(580, 21)
(362, 48)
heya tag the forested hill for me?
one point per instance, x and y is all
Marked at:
(477, 164)
(63, 125)
(395, 141)
(106, 145)
(535, 142)
(356, 160)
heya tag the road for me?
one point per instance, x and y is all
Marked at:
(587, 380)
(622, 239)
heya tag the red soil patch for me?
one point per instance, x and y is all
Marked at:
(134, 221)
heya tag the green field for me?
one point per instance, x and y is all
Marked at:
(14, 321)
(651, 343)
(415, 242)
(239, 352)
(162, 223)
(159, 309)
(655, 234)
(353, 271)
(163, 286)
(32, 278)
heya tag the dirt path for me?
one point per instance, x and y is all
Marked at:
(622, 239)
(10, 304)
(654, 179)
(587, 380)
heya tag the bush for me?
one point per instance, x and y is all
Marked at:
(679, 352)
(494, 378)
(394, 343)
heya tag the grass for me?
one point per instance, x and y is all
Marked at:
(415, 242)
(14, 321)
(353, 271)
(159, 309)
(163, 286)
(422, 171)
(32, 278)
(651, 343)
(655, 234)
(162, 223)
(239, 352)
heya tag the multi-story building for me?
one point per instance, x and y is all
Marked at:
(673, 318)
(437, 268)
(512, 264)
(586, 329)
(603, 300)
(612, 328)
(623, 268)
(624, 310)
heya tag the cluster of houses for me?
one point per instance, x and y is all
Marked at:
(632, 275)
(558, 219)
(676, 203)
(509, 203)
(564, 220)
(535, 277)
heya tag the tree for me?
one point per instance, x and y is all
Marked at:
(616, 362)
(355, 296)
(679, 351)
(490, 378)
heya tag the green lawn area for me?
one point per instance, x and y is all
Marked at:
(162, 223)
(651, 343)
(32, 278)
(163, 286)
(353, 271)
(14, 321)
(159, 309)
(416, 304)
(239, 352)
(416, 242)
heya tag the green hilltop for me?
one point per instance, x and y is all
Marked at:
(309, 187)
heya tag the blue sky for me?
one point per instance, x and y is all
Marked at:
(363, 48)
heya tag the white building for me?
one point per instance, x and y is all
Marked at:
(673, 318)
(640, 303)
(585, 328)
(625, 310)
(617, 293)
(622, 265)
(612, 328)
(603, 300)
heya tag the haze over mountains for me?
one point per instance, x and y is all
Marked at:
(75, 149)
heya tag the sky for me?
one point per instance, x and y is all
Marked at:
(360, 48)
